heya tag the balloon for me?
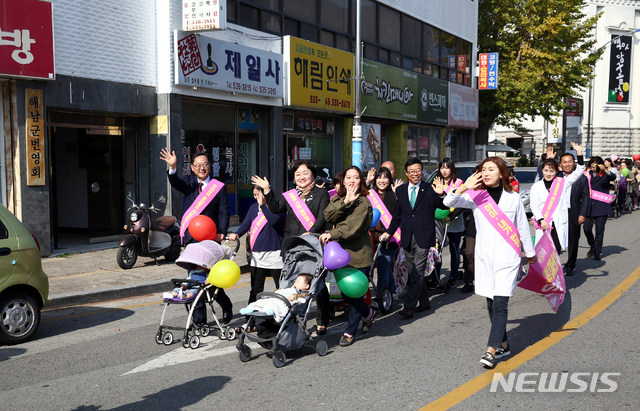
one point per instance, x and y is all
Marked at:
(440, 214)
(625, 172)
(202, 228)
(376, 217)
(335, 256)
(224, 274)
(353, 283)
(613, 157)
(636, 157)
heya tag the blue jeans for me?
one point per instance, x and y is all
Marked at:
(385, 274)
(454, 250)
(498, 310)
(358, 309)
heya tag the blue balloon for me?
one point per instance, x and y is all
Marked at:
(376, 217)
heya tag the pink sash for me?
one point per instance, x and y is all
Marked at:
(210, 191)
(257, 225)
(553, 198)
(497, 218)
(385, 215)
(453, 185)
(300, 208)
(332, 193)
(597, 195)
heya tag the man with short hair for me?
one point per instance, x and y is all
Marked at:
(415, 215)
(577, 209)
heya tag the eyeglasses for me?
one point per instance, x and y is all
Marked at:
(414, 172)
(201, 165)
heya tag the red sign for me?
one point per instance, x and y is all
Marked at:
(462, 63)
(484, 71)
(574, 108)
(26, 39)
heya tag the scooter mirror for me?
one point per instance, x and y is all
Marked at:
(162, 199)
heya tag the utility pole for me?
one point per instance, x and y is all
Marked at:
(356, 144)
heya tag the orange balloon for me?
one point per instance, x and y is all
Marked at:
(202, 228)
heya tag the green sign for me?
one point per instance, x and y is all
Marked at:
(394, 93)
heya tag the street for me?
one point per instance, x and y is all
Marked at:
(104, 356)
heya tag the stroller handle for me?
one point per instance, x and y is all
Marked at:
(237, 244)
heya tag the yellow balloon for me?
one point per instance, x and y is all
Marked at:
(625, 87)
(224, 274)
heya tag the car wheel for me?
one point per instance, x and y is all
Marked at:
(127, 256)
(19, 317)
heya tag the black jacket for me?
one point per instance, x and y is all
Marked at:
(600, 183)
(317, 201)
(579, 200)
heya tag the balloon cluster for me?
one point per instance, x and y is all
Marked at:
(353, 283)
(202, 228)
(224, 274)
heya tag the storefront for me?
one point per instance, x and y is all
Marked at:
(463, 121)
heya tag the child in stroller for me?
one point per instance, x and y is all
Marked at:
(276, 307)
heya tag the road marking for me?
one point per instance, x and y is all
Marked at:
(481, 381)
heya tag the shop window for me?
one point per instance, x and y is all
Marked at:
(417, 66)
(411, 33)
(368, 19)
(449, 50)
(327, 38)
(383, 56)
(444, 74)
(395, 59)
(232, 12)
(431, 44)
(335, 15)
(343, 43)
(434, 149)
(407, 63)
(271, 22)
(273, 5)
(428, 69)
(436, 71)
(249, 17)
(370, 52)
(309, 32)
(291, 28)
(389, 28)
(301, 10)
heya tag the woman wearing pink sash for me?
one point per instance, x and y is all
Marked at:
(266, 243)
(447, 172)
(598, 210)
(497, 254)
(382, 184)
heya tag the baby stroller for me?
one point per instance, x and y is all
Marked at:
(622, 203)
(302, 255)
(210, 253)
(433, 279)
(385, 299)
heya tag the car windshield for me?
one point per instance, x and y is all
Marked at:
(525, 176)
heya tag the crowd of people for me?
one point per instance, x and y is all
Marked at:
(480, 210)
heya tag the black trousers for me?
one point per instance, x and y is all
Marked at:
(595, 243)
(574, 239)
(323, 303)
(258, 277)
(200, 312)
(469, 259)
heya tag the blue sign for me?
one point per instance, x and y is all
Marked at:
(492, 72)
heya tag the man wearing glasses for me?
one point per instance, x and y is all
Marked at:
(415, 215)
(218, 209)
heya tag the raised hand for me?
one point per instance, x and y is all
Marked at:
(577, 147)
(169, 157)
(438, 186)
(263, 183)
(550, 152)
(370, 175)
(474, 182)
(396, 184)
(351, 194)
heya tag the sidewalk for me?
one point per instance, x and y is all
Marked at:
(90, 273)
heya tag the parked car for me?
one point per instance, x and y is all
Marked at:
(526, 176)
(24, 287)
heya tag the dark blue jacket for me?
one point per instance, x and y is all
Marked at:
(217, 209)
(599, 183)
(270, 238)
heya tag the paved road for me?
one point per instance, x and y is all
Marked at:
(104, 357)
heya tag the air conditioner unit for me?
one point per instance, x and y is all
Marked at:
(287, 122)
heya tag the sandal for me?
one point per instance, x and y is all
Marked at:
(346, 340)
(321, 330)
(367, 324)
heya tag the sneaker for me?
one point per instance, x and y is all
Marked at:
(467, 288)
(503, 352)
(167, 296)
(488, 360)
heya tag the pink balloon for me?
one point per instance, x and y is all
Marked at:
(613, 157)
(335, 256)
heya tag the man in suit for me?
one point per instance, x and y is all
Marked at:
(578, 207)
(415, 215)
(218, 210)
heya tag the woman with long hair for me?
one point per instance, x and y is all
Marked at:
(455, 229)
(497, 259)
(382, 184)
(599, 208)
(351, 214)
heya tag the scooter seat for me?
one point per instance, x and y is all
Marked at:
(163, 223)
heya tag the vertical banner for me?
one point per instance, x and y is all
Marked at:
(488, 76)
(619, 69)
(34, 132)
(204, 15)
(372, 146)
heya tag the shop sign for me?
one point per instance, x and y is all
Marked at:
(575, 107)
(317, 76)
(34, 130)
(394, 93)
(204, 15)
(463, 106)
(26, 39)
(619, 69)
(213, 64)
(308, 124)
(488, 78)
(243, 164)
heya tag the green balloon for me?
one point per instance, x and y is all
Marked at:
(353, 283)
(440, 214)
(625, 172)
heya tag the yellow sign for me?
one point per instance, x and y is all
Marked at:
(34, 129)
(318, 77)
(159, 125)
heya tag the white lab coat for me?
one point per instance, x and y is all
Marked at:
(560, 216)
(496, 263)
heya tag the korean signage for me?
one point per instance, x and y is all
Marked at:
(34, 130)
(313, 124)
(575, 107)
(488, 79)
(619, 69)
(394, 93)
(317, 76)
(213, 64)
(463, 106)
(26, 39)
(204, 15)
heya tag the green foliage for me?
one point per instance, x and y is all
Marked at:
(545, 55)
(523, 161)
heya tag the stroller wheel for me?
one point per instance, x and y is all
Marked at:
(279, 359)
(167, 338)
(185, 341)
(159, 337)
(194, 342)
(221, 334)
(244, 353)
(322, 348)
(385, 301)
(231, 333)
(204, 330)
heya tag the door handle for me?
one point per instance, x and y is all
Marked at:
(4, 251)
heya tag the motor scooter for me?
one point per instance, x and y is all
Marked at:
(146, 238)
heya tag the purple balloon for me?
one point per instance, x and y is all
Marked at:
(335, 257)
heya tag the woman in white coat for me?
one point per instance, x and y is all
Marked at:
(497, 263)
(539, 193)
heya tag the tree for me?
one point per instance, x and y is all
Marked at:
(545, 55)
